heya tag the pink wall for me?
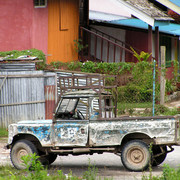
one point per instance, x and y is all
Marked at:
(18, 29)
(40, 29)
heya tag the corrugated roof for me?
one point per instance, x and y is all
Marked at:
(100, 16)
(149, 9)
(141, 9)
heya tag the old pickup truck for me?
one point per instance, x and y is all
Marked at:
(85, 122)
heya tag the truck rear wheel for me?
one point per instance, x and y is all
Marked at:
(135, 155)
(19, 149)
(157, 160)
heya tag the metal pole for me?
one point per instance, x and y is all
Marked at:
(154, 85)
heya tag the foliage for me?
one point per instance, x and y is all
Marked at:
(143, 56)
(176, 70)
(36, 171)
(88, 67)
(57, 65)
(106, 68)
(91, 174)
(169, 88)
(74, 66)
(30, 52)
(78, 45)
(3, 132)
(140, 88)
(168, 174)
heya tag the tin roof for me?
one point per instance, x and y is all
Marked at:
(149, 9)
(164, 26)
(141, 9)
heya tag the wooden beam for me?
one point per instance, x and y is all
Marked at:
(157, 44)
(149, 39)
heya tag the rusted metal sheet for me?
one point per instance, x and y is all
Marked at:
(49, 101)
(111, 132)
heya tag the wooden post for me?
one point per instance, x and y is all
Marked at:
(162, 74)
(157, 45)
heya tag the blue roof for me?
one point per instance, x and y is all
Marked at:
(164, 26)
(177, 2)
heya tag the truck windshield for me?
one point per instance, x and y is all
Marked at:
(67, 105)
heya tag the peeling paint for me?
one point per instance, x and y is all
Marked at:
(81, 132)
(104, 133)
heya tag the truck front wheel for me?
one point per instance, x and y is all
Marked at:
(135, 155)
(19, 149)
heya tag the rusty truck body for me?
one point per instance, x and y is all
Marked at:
(85, 122)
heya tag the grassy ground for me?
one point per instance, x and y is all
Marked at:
(125, 105)
(125, 108)
(3, 132)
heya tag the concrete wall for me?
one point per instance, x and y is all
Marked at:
(22, 26)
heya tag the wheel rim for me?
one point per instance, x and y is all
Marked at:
(20, 153)
(136, 156)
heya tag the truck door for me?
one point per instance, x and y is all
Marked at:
(71, 127)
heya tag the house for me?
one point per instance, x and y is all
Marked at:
(108, 27)
(144, 25)
(48, 25)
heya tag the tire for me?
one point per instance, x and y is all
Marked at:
(135, 155)
(159, 159)
(19, 149)
(48, 159)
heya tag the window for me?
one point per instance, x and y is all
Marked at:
(68, 105)
(40, 3)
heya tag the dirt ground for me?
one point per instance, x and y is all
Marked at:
(108, 164)
(4, 153)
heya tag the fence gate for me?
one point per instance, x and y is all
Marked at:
(26, 95)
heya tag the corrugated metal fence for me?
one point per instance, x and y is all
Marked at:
(30, 95)
(26, 95)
